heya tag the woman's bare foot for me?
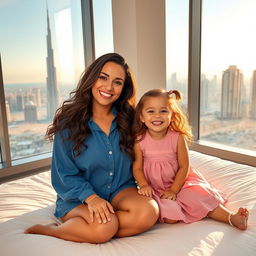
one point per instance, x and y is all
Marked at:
(40, 229)
(240, 218)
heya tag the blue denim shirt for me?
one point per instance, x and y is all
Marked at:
(102, 168)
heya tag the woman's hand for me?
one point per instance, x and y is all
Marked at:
(145, 190)
(168, 194)
(100, 209)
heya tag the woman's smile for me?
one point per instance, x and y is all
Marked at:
(105, 94)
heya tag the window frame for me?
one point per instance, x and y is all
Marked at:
(26, 166)
(15, 169)
(194, 82)
(4, 136)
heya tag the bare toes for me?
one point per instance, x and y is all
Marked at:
(32, 230)
(239, 220)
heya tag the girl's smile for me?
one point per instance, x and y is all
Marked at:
(157, 123)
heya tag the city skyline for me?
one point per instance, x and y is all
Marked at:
(231, 86)
(29, 140)
(25, 69)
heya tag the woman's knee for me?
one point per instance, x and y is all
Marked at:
(102, 233)
(146, 213)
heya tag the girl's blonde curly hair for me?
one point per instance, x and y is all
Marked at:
(179, 118)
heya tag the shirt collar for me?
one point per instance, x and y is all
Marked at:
(94, 126)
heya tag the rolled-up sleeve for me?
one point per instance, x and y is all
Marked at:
(66, 176)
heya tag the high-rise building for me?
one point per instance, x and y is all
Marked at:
(253, 97)
(8, 112)
(52, 88)
(20, 102)
(173, 81)
(204, 93)
(11, 98)
(30, 112)
(232, 80)
(176, 84)
(37, 94)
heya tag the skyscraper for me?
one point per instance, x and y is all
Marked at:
(20, 101)
(204, 93)
(8, 112)
(232, 80)
(173, 81)
(52, 88)
(37, 93)
(253, 97)
(30, 112)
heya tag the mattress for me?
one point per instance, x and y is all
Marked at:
(30, 200)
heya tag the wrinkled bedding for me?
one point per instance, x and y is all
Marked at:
(30, 200)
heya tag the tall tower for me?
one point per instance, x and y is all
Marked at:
(204, 93)
(53, 98)
(30, 112)
(253, 97)
(232, 80)
(20, 101)
(8, 112)
(37, 93)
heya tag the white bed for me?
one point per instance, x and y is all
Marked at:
(31, 200)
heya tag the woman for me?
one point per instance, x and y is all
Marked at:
(92, 158)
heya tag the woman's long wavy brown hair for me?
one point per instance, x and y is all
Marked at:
(179, 120)
(75, 112)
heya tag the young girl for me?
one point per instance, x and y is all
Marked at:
(161, 167)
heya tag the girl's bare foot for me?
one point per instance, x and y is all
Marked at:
(40, 229)
(239, 219)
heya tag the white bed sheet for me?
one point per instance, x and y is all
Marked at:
(31, 200)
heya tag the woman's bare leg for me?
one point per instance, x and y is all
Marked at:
(135, 213)
(78, 227)
(239, 219)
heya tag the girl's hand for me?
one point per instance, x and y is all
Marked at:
(100, 209)
(168, 194)
(145, 190)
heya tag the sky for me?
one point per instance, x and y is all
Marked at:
(228, 37)
(23, 30)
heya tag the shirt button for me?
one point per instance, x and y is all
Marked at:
(110, 152)
(108, 186)
(111, 173)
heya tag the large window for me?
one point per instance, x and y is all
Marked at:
(103, 28)
(45, 43)
(228, 73)
(42, 59)
(177, 28)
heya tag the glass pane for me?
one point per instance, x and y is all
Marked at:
(228, 79)
(177, 14)
(42, 59)
(103, 27)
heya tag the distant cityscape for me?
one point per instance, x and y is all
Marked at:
(228, 108)
(31, 108)
(28, 118)
(227, 116)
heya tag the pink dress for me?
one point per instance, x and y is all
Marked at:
(195, 199)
